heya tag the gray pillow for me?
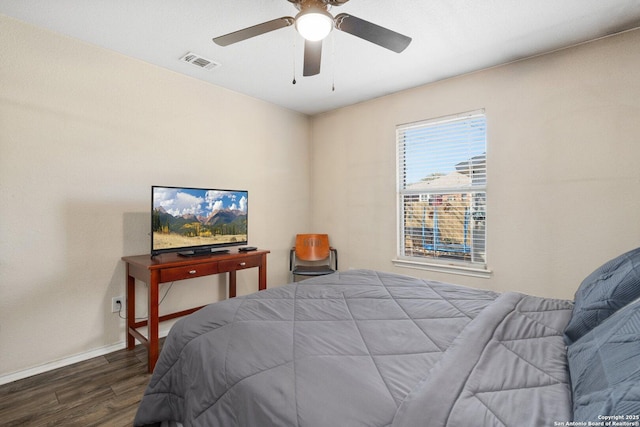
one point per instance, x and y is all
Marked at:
(603, 364)
(610, 287)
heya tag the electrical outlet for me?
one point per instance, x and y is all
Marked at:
(117, 304)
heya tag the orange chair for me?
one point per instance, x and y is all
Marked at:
(312, 256)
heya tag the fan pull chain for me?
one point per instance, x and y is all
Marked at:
(333, 63)
(293, 57)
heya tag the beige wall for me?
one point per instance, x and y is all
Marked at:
(563, 150)
(84, 133)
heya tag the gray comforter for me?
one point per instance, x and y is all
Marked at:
(365, 348)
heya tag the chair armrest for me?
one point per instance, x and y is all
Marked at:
(291, 252)
(335, 253)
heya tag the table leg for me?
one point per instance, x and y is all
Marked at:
(153, 321)
(131, 309)
(232, 284)
(262, 274)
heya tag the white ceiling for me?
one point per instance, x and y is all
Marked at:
(450, 37)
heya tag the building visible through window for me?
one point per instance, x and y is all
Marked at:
(442, 180)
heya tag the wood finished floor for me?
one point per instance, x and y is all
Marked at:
(103, 391)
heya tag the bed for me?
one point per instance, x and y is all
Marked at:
(369, 348)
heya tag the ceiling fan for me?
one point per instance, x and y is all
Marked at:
(314, 23)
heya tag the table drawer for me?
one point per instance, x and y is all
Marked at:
(180, 273)
(240, 264)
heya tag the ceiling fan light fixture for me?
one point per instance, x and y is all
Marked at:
(314, 24)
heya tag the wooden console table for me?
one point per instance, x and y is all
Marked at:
(171, 267)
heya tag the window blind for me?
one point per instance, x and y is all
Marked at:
(442, 178)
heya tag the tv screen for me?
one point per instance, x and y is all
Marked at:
(194, 221)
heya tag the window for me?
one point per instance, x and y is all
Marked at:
(442, 191)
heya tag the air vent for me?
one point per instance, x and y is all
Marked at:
(199, 61)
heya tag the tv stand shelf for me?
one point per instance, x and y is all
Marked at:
(172, 267)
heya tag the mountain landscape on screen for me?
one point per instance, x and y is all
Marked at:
(193, 218)
(220, 223)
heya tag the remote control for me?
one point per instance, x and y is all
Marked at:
(247, 249)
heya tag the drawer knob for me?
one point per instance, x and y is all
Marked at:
(192, 271)
(242, 264)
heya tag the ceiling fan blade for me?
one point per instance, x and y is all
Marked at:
(312, 58)
(372, 32)
(256, 30)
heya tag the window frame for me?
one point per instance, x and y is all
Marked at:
(434, 262)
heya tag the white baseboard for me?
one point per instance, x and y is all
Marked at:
(50, 366)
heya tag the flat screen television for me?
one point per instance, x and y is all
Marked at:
(197, 221)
